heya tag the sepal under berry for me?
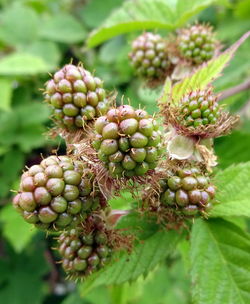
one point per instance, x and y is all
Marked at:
(199, 114)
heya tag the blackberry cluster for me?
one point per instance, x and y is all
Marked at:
(199, 108)
(76, 96)
(56, 194)
(196, 43)
(188, 192)
(83, 253)
(127, 141)
(149, 56)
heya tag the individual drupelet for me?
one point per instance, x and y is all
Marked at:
(83, 253)
(149, 56)
(56, 194)
(199, 108)
(197, 43)
(76, 97)
(128, 141)
(187, 192)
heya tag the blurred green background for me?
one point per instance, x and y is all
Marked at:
(37, 37)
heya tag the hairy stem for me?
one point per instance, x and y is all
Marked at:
(235, 90)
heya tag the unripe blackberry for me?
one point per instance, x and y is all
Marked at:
(128, 141)
(84, 252)
(76, 96)
(199, 108)
(188, 192)
(56, 194)
(149, 56)
(196, 43)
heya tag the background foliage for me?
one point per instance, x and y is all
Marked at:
(38, 36)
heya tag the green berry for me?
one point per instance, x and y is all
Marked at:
(125, 150)
(196, 43)
(149, 56)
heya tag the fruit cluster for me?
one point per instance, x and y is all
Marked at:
(187, 192)
(149, 56)
(199, 108)
(76, 96)
(56, 194)
(83, 253)
(196, 43)
(127, 141)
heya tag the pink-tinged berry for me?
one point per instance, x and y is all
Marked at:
(149, 56)
(76, 97)
(56, 194)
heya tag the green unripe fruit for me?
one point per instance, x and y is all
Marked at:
(128, 163)
(124, 144)
(152, 154)
(59, 204)
(100, 123)
(146, 127)
(138, 140)
(196, 43)
(181, 198)
(80, 259)
(109, 146)
(174, 183)
(110, 131)
(125, 150)
(189, 192)
(72, 177)
(168, 197)
(42, 196)
(138, 154)
(129, 126)
(141, 168)
(203, 109)
(78, 94)
(55, 186)
(46, 215)
(84, 252)
(52, 195)
(27, 201)
(149, 56)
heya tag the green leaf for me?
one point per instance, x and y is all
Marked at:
(122, 202)
(19, 25)
(63, 28)
(47, 50)
(11, 163)
(15, 229)
(5, 93)
(220, 258)
(95, 12)
(233, 192)
(205, 74)
(25, 269)
(146, 14)
(233, 149)
(143, 258)
(21, 64)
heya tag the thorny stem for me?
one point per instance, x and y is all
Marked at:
(235, 90)
(54, 275)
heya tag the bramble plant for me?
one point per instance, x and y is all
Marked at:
(138, 190)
